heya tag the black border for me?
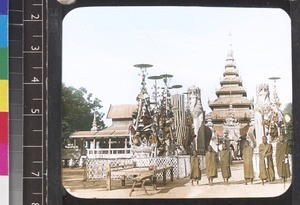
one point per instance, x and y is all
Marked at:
(56, 11)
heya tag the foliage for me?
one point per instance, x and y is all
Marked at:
(78, 107)
(288, 110)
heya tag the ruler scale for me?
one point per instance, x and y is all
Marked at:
(34, 174)
(32, 184)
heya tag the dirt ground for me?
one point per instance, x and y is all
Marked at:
(179, 188)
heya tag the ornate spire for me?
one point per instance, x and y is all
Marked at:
(230, 51)
(94, 125)
(275, 95)
(230, 60)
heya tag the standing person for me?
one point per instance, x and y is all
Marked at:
(225, 163)
(283, 167)
(266, 167)
(195, 168)
(211, 165)
(248, 162)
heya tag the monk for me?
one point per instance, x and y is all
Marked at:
(225, 163)
(283, 167)
(211, 165)
(195, 168)
(248, 162)
(266, 166)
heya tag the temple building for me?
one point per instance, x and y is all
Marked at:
(231, 111)
(113, 141)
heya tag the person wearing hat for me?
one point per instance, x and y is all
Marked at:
(282, 163)
(248, 162)
(195, 168)
(211, 165)
(225, 163)
(266, 166)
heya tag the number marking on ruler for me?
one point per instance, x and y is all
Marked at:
(34, 159)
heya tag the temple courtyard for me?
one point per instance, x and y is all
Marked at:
(179, 188)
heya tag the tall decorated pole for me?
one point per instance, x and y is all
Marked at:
(165, 118)
(142, 120)
(276, 120)
(143, 95)
(155, 103)
(166, 134)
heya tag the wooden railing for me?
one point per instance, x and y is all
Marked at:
(109, 153)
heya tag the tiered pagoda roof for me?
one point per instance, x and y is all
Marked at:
(230, 94)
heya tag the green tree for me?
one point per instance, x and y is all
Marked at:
(78, 107)
(288, 110)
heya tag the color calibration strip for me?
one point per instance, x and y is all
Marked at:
(4, 163)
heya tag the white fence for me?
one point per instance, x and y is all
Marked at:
(109, 153)
(96, 168)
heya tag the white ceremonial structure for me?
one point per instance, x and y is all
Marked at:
(196, 109)
(262, 109)
(269, 120)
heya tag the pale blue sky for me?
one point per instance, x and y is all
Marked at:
(101, 45)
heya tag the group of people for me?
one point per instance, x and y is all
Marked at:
(266, 165)
(211, 165)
